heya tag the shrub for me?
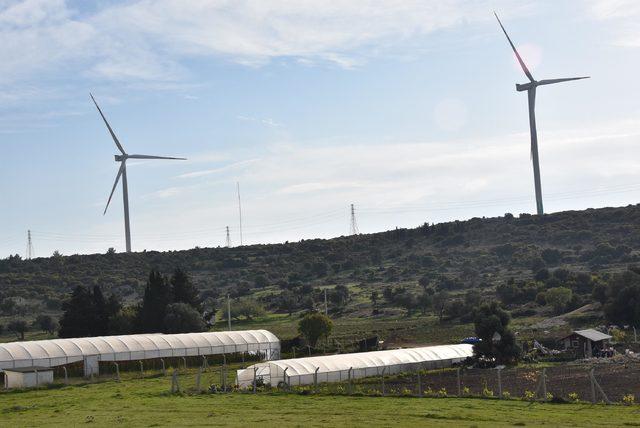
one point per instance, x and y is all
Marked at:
(573, 396)
(529, 395)
(629, 399)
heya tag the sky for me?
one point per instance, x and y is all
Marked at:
(406, 109)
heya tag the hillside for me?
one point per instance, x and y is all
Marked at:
(515, 257)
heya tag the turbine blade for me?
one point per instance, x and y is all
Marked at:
(113, 135)
(153, 157)
(115, 183)
(524, 67)
(566, 79)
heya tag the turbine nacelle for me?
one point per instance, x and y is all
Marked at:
(120, 158)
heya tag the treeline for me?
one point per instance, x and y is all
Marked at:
(169, 305)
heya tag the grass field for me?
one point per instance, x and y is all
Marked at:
(146, 402)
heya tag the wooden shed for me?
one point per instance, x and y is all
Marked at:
(587, 343)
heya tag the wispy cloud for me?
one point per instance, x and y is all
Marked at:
(218, 170)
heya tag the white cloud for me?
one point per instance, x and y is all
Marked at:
(148, 39)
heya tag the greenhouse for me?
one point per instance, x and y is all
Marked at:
(336, 368)
(93, 350)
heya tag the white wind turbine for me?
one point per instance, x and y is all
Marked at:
(122, 172)
(530, 87)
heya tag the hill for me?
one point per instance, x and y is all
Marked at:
(382, 274)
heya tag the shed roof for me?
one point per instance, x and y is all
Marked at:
(591, 334)
(133, 347)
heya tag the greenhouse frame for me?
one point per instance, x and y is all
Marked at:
(93, 350)
(341, 367)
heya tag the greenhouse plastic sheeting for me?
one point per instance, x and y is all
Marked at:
(50, 353)
(336, 368)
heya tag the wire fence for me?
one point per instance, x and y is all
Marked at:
(606, 382)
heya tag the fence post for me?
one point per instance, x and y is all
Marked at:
(164, 370)
(350, 384)
(383, 390)
(175, 383)
(184, 360)
(198, 377)
(117, 371)
(141, 368)
(205, 365)
(255, 372)
(458, 382)
(285, 380)
(66, 375)
(35, 371)
(419, 385)
(315, 380)
(544, 384)
(595, 384)
(499, 383)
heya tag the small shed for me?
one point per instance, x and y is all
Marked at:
(27, 377)
(587, 343)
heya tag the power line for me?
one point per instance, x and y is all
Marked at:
(239, 211)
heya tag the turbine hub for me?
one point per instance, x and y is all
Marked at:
(120, 158)
(526, 86)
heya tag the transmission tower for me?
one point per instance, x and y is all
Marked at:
(228, 238)
(30, 252)
(354, 224)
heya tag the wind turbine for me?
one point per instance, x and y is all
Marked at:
(530, 87)
(122, 172)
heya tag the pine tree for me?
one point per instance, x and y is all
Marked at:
(184, 291)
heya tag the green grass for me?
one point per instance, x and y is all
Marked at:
(146, 402)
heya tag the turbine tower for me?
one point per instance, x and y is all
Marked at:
(530, 87)
(122, 172)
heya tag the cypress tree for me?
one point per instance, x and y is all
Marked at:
(157, 295)
(184, 291)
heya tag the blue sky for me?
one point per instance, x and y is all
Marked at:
(406, 109)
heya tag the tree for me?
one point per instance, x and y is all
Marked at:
(439, 301)
(157, 295)
(1, 329)
(77, 319)
(124, 321)
(184, 291)
(407, 301)
(374, 301)
(424, 302)
(497, 340)
(18, 327)
(247, 308)
(100, 319)
(182, 318)
(558, 298)
(315, 326)
(339, 296)
(46, 323)
(622, 298)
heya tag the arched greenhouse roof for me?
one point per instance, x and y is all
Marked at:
(334, 368)
(57, 352)
(361, 360)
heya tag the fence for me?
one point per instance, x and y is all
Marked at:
(606, 382)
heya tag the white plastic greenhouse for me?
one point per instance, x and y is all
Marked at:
(336, 368)
(92, 350)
